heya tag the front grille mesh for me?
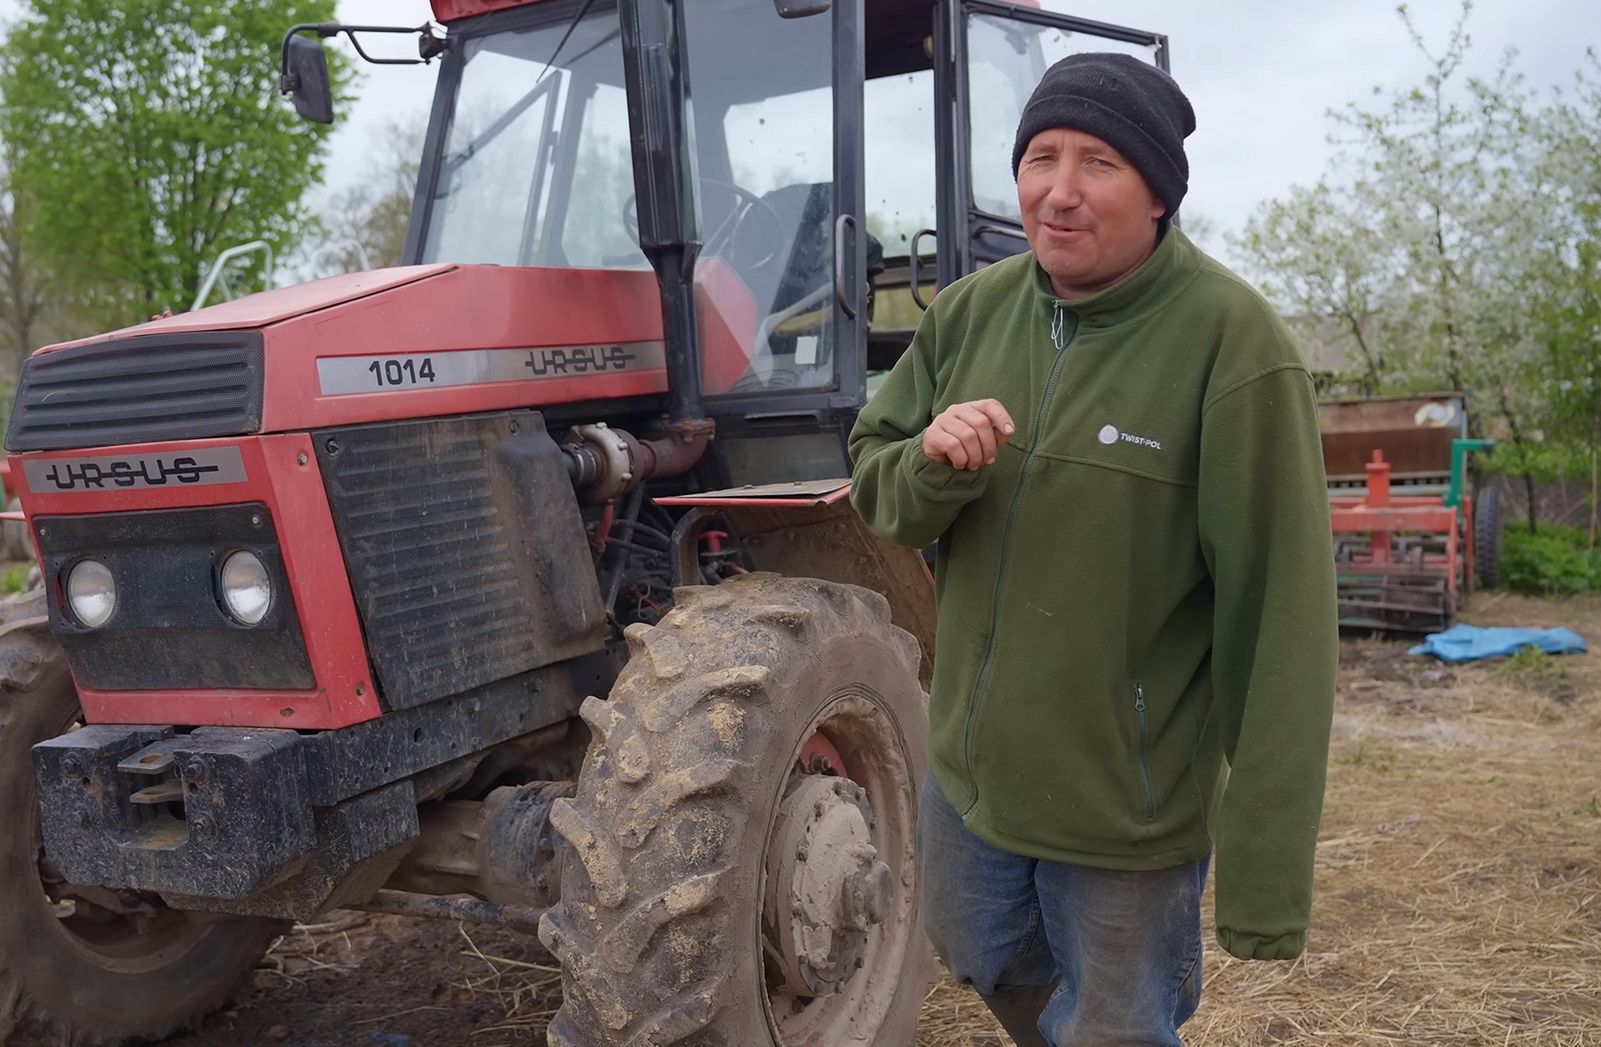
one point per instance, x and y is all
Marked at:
(466, 552)
(140, 390)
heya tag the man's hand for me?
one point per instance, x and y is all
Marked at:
(966, 436)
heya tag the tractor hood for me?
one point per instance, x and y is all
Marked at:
(270, 307)
(414, 342)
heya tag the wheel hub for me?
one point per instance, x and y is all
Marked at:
(826, 887)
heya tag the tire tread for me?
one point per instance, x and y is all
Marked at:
(662, 754)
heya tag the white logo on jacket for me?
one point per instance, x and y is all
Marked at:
(1109, 435)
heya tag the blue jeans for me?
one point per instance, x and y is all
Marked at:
(1122, 948)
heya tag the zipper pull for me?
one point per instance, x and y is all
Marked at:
(1139, 697)
(1058, 324)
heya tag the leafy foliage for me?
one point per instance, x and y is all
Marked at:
(24, 300)
(364, 225)
(1555, 561)
(148, 136)
(14, 580)
(1457, 244)
(1546, 462)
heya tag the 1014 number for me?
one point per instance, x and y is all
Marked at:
(403, 372)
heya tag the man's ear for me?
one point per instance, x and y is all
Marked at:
(1158, 209)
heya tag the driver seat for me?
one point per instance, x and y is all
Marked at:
(806, 211)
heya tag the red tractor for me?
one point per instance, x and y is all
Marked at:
(429, 591)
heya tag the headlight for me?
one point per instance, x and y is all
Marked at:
(246, 588)
(91, 593)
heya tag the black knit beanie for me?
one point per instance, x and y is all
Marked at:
(1130, 105)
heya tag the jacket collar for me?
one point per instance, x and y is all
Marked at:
(1149, 287)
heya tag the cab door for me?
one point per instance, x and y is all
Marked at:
(781, 281)
(778, 178)
(990, 58)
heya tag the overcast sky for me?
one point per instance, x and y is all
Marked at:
(1261, 75)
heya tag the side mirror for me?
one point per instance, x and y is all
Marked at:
(306, 77)
(802, 8)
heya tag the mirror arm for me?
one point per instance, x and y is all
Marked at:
(429, 46)
(424, 31)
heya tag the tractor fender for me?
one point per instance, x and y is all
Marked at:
(813, 533)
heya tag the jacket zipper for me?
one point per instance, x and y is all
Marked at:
(1061, 337)
(1145, 768)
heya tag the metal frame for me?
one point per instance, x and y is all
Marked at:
(1418, 593)
(433, 150)
(579, 97)
(835, 404)
(844, 397)
(217, 267)
(442, 117)
(850, 199)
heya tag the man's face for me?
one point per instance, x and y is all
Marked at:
(1089, 215)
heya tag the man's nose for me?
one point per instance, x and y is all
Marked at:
(1067, 191)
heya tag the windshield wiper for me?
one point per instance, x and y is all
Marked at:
(541, 87)
(579, 17)
(494, 130)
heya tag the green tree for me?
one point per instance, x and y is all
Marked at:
(1455, 244)
(23, 295)
(1315, 257)
(1565, 285)
(149, 136)
(1413, 243)
(364, 224)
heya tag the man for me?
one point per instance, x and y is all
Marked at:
(1115, 444)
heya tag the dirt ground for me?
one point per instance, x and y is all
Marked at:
(1458, 892)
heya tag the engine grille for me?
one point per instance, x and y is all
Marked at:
(465, 550)
(140, 390)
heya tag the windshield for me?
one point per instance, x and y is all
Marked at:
(536, 167)
(1006, 60)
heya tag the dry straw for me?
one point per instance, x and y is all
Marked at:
(1459, 876)
(1458, 879)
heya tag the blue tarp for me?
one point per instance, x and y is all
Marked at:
(1469, 643)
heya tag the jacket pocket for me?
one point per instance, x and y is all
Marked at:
(1147, 798)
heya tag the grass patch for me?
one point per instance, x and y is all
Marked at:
(14, 580)
(1555, 561)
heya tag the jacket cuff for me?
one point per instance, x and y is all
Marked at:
(1260, 947)
(938, 477)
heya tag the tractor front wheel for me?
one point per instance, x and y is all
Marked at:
(87, 965)
(742, 863)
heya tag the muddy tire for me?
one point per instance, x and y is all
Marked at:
(742, 861)
(72, 971)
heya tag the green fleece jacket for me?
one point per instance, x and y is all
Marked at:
(1137, 637)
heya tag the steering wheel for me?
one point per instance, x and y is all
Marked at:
(733, 231)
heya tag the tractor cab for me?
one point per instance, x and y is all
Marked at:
(829, 172)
